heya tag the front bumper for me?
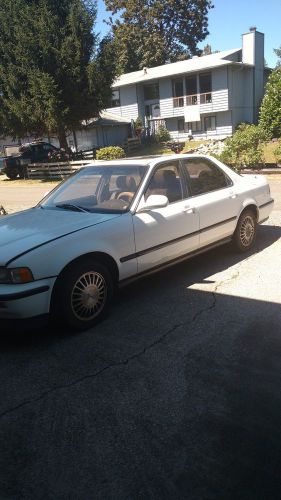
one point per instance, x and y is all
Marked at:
(27, 300)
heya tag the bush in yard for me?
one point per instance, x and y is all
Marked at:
(245, 147)
(277, 152)
(162, 134)
(270, 111)
(110, 153)
(138, 126)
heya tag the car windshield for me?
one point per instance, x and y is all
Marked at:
(103, 189)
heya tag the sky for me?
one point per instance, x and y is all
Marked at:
(228, 20)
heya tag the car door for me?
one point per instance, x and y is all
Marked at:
(214, 196)
(166, 233)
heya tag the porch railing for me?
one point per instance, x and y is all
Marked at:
(192, 100)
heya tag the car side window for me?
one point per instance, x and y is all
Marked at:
(166, 181)
(204, 176)
(48, 147)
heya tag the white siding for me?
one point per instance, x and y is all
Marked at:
(128, 101)
(223, 128)
(166, 99)
(241, 94)
(220, 101)
(86, 139)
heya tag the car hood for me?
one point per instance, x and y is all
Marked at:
(26, 230)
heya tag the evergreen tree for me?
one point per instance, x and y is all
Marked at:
(270, 111)
(53, 74)
(278, 53)
(154, 32)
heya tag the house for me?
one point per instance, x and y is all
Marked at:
(206, 97)
(105, 130)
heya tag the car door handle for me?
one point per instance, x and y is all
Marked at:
(232, 195)
(188, 209)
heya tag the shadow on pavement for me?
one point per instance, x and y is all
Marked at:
(176, 395)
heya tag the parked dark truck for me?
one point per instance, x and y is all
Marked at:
(19, 157)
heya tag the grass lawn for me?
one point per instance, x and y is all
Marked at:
(159, 149)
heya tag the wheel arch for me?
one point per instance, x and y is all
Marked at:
(101, 257)
(250, 205)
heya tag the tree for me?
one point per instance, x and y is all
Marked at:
(270, 111)
(53, 73)
(207, 50)
(278, 53)
(154, 32)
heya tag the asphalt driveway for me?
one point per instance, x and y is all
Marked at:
(175, 396)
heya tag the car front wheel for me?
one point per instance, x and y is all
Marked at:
(246, 231)
(83, 294)
(11, 173)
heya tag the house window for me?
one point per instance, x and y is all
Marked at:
(194, 126)
(205, 83)
(191, 85)
(178, 93)
(209, 123)
(115, 99)
(180, 125)
(151, 91)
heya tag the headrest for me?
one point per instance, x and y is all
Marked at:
(126, 183)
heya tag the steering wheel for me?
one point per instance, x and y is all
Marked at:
(125, 196)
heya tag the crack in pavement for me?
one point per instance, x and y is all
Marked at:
(89, 376)
(111, 365)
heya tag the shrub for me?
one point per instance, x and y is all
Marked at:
(245, 147)
(270, 111)
(277, 152)
(162, 134)
(138, 123)
(110, 153)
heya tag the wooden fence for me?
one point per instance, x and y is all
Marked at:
(58, 170)
(132, 144)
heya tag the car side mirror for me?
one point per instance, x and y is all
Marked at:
(154, 201)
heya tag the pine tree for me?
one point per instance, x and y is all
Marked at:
(154, 32)
(53, 74)
(270, 111)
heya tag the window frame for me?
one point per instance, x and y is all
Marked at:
(210, 117)
(183, 181)
(191, 77)
(181, 129)
(155, 96)
(114, 100)
(185, 173)
(196, 128)
(202, 75)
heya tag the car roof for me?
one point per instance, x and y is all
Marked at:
(145, 161)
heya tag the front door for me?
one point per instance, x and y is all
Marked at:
(165, 234)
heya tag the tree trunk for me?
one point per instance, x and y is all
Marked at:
(62, 139)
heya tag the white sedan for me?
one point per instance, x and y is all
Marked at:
(117, 220)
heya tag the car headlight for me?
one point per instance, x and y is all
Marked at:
(15, 276)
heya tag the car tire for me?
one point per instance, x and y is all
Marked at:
(246, 230)
(83, 294)
(11, 173)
